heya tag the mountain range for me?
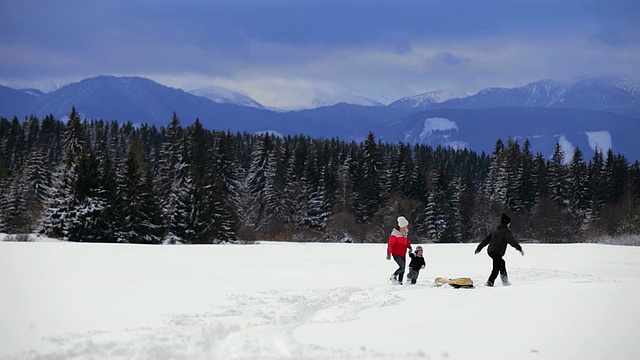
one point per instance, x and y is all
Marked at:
(586, 112)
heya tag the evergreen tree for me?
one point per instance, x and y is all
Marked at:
(540, 179)
(171, 165)
(368, 187)
(514, 170)
(400, 170)
(497, 179)
(90, 201)
(558, 178)
(616, 169)
(275, 210)
(259, 184)
(526, 182)
(139, 205)
(61, 215)
(184, 217)
(632, 200)
(597, 184)
(219, 222)
(344, 194)
(455, 231)
(438, 211)
(578, 191)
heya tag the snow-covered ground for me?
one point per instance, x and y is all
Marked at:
(313, 301)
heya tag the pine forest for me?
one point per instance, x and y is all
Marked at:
(98, 181)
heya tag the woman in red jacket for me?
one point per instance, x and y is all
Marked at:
(397, 247)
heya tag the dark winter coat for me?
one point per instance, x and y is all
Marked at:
(398, 244)
(498, 240)
(417, 262)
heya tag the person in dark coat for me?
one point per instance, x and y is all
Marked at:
(417, 263)
(497, 241)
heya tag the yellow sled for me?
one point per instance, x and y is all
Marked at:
(456, 283)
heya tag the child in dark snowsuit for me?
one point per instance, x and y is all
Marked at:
(497, 241)
(417, 263)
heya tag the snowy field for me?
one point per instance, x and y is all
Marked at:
(313, 301)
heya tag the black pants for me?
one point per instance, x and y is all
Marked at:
(499, 266)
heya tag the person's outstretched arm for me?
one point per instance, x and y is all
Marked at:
(483, 243)
(514, 243)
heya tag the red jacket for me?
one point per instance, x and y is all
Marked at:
(398, 244)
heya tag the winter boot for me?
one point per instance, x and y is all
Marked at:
(505, 281)
(489, 284)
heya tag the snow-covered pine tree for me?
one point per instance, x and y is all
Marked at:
(317, 207)
(252, 200)
(13, 204)
(514, 172)
(227, 171)
(344, 194)
(151, 226)
(597, 184)
(60, 216)
(182, 208)
(27, 191)
(107, 224)
(368, 188)
(496, 185)
(539, 178)
(171, 165)
(90, 201)
(418, 184)
(51, 136)
(274, 207)
(4, 186)
(525, 178)
(578, 191)
(558, 177)
(217, 220)
(200, 146)
(14, 145)
(138, 204)
(455, 229)
(399, 169)
(438, 211)
(31, 130)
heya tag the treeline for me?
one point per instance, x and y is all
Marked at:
(97, 181)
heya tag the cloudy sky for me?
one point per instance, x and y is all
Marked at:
(282, 52)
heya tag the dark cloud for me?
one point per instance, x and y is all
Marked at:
(219, 38)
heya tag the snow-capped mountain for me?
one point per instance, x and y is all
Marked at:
(133, 99)
(37, 86)
(346, 99)
(544, 127)
(427, 100)
(588, 113)
(226, 96)
(612, 94)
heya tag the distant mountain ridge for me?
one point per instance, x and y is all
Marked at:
(346, 99)
(225, 96)
(427, 100)
(616, 95)
(543, 126)
(606, 106)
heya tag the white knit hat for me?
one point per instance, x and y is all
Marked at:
(402, 222)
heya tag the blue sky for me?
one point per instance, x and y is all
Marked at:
(283, 52)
